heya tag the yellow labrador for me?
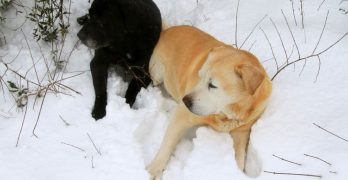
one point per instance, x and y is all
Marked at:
(213, 83)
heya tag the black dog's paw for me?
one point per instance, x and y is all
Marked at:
(131, 93)
(98, 112)
(83, 19)
(130, 101)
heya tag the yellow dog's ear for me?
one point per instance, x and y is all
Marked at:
(214, 54)
(252, 77)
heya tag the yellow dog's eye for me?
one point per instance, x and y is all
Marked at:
(211, 85)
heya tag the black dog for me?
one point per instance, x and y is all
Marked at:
(124, 33)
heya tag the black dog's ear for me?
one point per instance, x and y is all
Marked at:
(82, 20)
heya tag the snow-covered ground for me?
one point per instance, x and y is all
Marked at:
(126, 139)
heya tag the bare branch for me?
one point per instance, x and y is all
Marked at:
(38, 116)
(31, 55)
(292, 35)
(73, 146)
(302, 14)
(281, 40)
(304, 65)
(92, 163)
(270, 45)
(252, 45)
(333, 44)
(293, 11)
(319, 67)
(236, 30)
(330, 132)
(310, 56)
(95, 147)
(64, 121)
(293, 174)
(287, 160)
(46, 63)
(322, 32)
(320, 5)
(252, 31)
(24, 117)
(21, 76)
(317, 158)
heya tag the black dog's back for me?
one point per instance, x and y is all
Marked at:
(123, 32)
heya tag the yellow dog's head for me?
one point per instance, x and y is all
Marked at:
(230, 82)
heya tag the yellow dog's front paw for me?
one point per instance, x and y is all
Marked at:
(155, 172)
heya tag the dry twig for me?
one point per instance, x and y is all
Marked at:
(281, 40)
(293, 174)
(64, 121)
(251, 32)
(293, 11)
(287, 160)
(310, 56)
(313, 54)
(320, 5)
(38, 116)
(25, 115)
(236, 30)
(317, 158)
(95, 147)
(31, 55)
(92, 162)
(322, 32)
(73, 146)
(302, 14)
(331, 132)
(292, 35)
(270, 45)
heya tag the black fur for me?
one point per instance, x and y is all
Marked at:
(124, 33)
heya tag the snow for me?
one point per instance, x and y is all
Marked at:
(129, 138)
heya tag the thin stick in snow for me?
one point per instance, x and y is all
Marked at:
(293, 11)
(317, 158)
(320, 5)
(322, 32)
(64, 121)
(25, 115)
(330, 132)
(319, 67)
(251, 32)
(281, 40)
(287, 160)
(302, 14)
(38, 116)
(310, 56)
(95, 147)
(292, 35)
(304, 65)
(31, 55)
(270, 45)
(73, 146)
(236, 30)
(252, 45)
(92, 162)
(293, 174)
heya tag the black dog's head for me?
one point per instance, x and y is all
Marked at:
(102, 25)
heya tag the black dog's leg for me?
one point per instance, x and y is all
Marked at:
(141, 80)
(99, 72)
